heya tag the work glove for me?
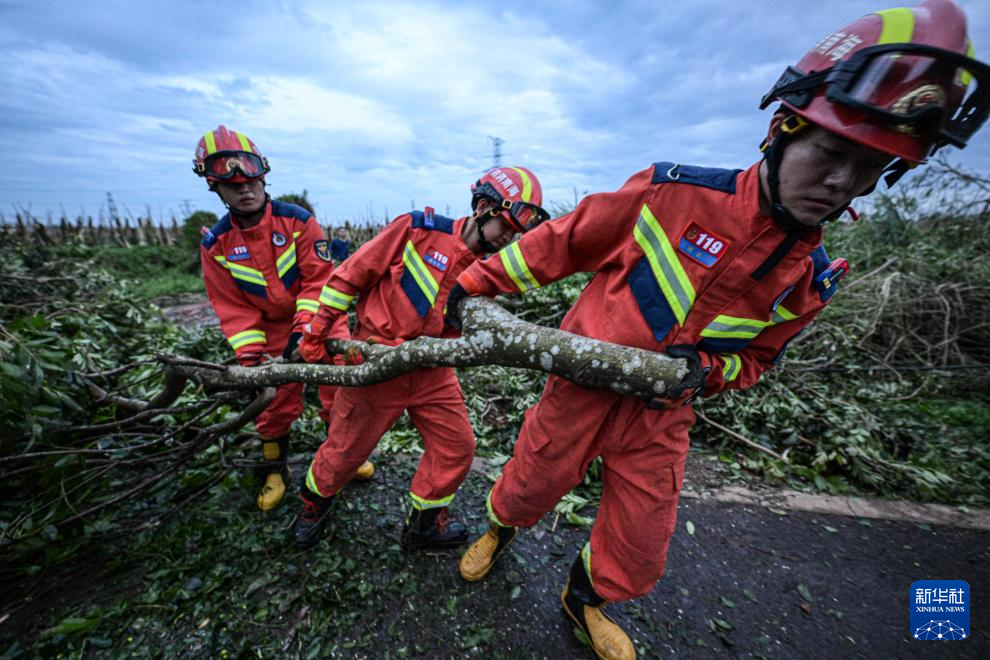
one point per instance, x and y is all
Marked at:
(252, 359)
(313, 345)
(452, 316)
(691, 385)
(291, 347)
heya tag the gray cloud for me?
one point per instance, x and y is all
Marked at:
(382, 104)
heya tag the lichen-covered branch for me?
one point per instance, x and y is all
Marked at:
(492, 336)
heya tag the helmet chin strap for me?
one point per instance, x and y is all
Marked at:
(480, 219)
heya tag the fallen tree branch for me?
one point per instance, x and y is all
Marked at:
(492, 336)
(743, 439)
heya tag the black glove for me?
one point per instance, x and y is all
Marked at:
(452, 316)
(292, 345)
(690, 386)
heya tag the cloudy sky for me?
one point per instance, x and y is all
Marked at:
(377, 106)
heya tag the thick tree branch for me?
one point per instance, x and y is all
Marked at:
(492, 336)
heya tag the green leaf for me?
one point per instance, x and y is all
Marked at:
(805, 592)
(71, 625)
(722, 623)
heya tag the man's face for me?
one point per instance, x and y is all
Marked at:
(821, 171)
(496, 230)
(246, 198)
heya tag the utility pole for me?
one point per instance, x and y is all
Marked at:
(497, 143)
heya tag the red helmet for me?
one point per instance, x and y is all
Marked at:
(223, 155)
(516, 193)
(902, 81)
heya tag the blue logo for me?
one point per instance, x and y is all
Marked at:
(940, 609)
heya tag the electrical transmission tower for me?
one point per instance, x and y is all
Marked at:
(497, 143)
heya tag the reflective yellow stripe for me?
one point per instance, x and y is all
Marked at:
(517, 268)
(666, 267)
(336, 299)
(307, 305)
(417, 268)
(782, 314)
(211, 143)
(735, 327)
(296, 234)
(965, 77)
(491, 513)
(898, 26)
(286, 260)
(527, 189)
(420, 503)
(243, 272)
(311, 482)
(733, 363)
(586, 559)
(245, 143)
(247, 337)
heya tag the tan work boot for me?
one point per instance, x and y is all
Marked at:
(275, 472)
(584, 607)
(366, 471)
(481, 556)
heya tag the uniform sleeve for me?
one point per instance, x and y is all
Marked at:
(586, 239)
(360, 273)
(741, 370)
(240, 321)
(313, 273)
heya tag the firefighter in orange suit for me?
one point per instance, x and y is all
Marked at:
(401, 279)
(264, 264)
(719, 267)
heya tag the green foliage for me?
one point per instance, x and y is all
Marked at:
(191, 229)
(297, 199)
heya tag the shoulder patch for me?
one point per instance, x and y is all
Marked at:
(706, 177)
(322, 250)
(286, 210)
(211, 235)
(432, 222)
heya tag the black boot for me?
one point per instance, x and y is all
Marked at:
(584, 607)
(431, 528)
(312, 519)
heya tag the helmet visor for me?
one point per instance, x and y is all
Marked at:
(915, 89)
(225, 165)
(525, 216)
(522, 216)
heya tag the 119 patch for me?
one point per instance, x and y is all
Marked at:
(702, 245)
(437, 259)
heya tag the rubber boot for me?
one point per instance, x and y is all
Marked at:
(312, 519)
(584, 607)
(432, 528)
(366, 471)
(481, 556)
(274, 473)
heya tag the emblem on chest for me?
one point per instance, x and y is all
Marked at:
(702, 245)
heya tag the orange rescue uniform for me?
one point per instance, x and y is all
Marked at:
(681, 255)
(401, 279)
(264, 284)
